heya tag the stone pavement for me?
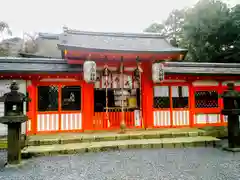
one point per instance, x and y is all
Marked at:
(144, 164)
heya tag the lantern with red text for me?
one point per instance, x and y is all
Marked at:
(157, 72)
(90, 71)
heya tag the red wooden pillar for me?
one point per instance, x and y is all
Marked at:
(220, 101)
(191, 104)
(147, 95)
(30, 90)
(32, 112)
(87, 106)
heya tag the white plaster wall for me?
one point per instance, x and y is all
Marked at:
(4, 88)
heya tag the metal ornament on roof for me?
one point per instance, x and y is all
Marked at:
(137, 73)
(106, 71)
(90, 71)
(157, 72)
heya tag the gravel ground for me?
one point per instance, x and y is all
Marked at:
(159, 164)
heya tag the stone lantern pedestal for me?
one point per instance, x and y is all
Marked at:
(14, 137)
(231, 101)
(13, 117)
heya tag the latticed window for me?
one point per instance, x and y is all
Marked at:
(180, 96)
(161, 97)
(71, 98)
(206, 99)
(48, 98)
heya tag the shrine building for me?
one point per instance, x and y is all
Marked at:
(85, 81)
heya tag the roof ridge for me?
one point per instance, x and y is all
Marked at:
(52, 36)
(115, 34)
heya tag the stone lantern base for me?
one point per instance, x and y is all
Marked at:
(226, 148)
(14, 137)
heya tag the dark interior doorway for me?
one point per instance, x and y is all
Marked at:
(100, 99)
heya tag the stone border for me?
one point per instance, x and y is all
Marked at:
(216, 131)
(127, 136)
(104, 147)
(234, 150)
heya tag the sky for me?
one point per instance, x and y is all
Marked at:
(88, 15)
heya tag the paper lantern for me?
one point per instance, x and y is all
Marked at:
(157, 72)
(90, 71)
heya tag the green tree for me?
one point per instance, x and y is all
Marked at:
(230, 37)
(156, 28)
(202, 25)
(4, 29)
(171, 28)
(210, 31)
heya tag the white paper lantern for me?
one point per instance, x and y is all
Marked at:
(157, 72)
(90, 71)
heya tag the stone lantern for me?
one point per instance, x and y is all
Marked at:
(13, 117)
(231, 109)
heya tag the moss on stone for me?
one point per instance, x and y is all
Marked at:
(168, 145)
(3, 144)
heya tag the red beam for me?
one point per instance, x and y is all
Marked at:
(79, 57)
(30, 76)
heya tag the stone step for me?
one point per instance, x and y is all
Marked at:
(72, 148)
(38, 140)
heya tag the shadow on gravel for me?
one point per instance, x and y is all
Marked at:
(3, 159)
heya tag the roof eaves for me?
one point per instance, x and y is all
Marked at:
(32, 60)
(35, 67)
(80, 48)
(201, 70)
(29, 55)
(205, 65)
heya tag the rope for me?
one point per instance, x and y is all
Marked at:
(106, 85)
(122, 86)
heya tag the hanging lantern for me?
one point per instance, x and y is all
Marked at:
(90, 71)
(157, 72)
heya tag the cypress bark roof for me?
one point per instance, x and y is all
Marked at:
(128, 42)
(36, 65)
(51, 65)
(202, 68)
